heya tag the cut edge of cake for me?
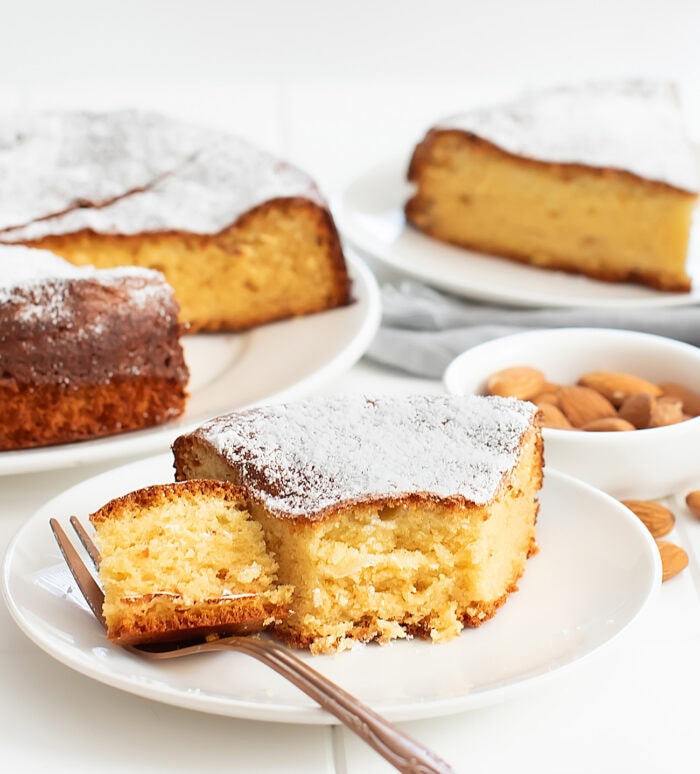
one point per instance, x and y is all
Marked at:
(197, 541)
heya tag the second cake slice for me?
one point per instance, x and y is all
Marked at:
(598, 180)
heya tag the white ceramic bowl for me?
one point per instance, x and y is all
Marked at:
(641, 464)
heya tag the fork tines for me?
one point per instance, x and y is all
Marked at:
(89, 588)
(86, 540)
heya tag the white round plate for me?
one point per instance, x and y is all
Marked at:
(369, 213)
(596, 569)
(228, 371)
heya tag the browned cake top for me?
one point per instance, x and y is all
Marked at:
(304, 458)
(63, 324)
(633, 126)
(130, 172)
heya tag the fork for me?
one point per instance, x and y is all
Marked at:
(403, 752)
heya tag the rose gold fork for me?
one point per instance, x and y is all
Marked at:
(404, 753)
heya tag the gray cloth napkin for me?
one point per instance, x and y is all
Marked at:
(422, 329)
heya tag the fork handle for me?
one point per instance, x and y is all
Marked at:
(403, 752)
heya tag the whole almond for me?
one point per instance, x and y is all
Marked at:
(658, 519)
(582, 405)
(666, 411)
(608, 424)
(689, 399)
(616, 386)
(673, 559)
(692, 500)
(546, 396)
(637, 409)
(551, 416)
(521, 382)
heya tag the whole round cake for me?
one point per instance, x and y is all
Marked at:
(243, 237)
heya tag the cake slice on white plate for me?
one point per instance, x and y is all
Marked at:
(599, 179)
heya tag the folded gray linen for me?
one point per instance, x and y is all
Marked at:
(423, 329)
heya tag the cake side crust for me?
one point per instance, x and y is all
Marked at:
(45, 415)
(73, 364)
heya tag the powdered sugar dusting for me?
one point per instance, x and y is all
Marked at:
(131, 172)
(633, 126)
(37, 282)
(23, 266)
(304, 457)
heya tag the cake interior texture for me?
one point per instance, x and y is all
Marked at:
(607, 224)
(182, 560)
(392, 566)
(282, 259)
(421, 568)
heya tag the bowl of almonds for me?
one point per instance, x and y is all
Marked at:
(619, 409)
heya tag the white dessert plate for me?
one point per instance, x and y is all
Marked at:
(596, 570)
(369, 213)
(228, 371)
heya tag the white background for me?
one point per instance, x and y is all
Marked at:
(334, 86)
(337, 87)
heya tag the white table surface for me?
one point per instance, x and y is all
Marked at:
(337, 88)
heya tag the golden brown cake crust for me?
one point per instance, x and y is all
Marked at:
(421, 159)
(48, 414)
(159, 494)
(236, 616)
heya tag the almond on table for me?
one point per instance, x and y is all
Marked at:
(692, 500)
(674, 559)
(658, 519)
